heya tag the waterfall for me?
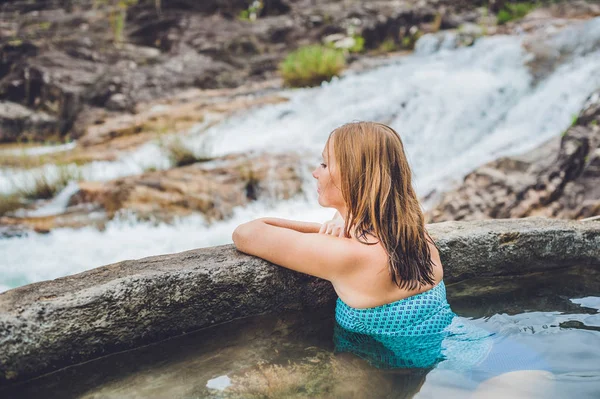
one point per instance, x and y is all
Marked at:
(454, 108)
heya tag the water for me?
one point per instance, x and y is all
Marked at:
(556, 315)
(455, 109)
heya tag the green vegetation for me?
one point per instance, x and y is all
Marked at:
(44, 25)
(514, 11)
(359, 44)
(117, 15)
(387, 46)
(408, 41)
(180, 154)
(574, 119)
(437, 22)
(46, 187)
(46, 184)
(252, 12)
(9, 203)
(311, 65)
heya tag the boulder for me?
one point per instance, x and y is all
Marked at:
(53, 324)
(18, 123)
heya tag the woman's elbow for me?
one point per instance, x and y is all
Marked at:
(244, 236)
(237, 236)
(241, 236)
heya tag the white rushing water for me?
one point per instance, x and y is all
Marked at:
(455, 110)
(147, 156)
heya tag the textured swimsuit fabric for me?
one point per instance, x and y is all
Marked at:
(422, 332)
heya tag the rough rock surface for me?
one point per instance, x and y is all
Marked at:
(109, 134)
(560, 179)
(53, 324)
(18, 121)
(212, 189)
(62, 57)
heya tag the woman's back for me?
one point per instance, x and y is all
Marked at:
(369, 284)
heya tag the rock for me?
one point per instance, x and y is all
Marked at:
(345, 43)
(552, 43)
(53, 324)
(52, 82)
(333, 38)
(8, 231)
(170, 114)
(471, 29)
(20, 123)
(79, 216)
(560, 179)
(70, 62)
(212, 188)
(118, 102)
(58, 57)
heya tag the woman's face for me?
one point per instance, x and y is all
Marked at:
(328, 180)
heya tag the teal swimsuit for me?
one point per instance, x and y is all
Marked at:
(427, 313)
(405, 333)
(422, 332)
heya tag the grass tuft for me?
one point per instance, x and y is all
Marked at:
(514, 11)
(10, 203)
(387, 46)
(180, 154)
(46, 185)
(311, 65)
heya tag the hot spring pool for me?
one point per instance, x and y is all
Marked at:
(555, 315)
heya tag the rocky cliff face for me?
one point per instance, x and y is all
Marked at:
(560, 179)
(73, 62)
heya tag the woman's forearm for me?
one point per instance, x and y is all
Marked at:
(302, 227)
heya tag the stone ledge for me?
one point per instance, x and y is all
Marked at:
(52, 324)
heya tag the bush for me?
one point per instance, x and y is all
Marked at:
(513, 11)
(311, 65)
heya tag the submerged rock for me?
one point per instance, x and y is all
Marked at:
(53, 324)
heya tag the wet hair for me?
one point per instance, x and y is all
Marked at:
(380, 199)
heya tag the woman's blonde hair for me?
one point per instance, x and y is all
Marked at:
(377, 189)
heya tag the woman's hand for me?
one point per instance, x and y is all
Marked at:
(334, 227)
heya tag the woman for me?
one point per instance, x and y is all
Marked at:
(376, 251)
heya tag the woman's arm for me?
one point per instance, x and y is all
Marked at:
(302, 227)
(311, 253)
